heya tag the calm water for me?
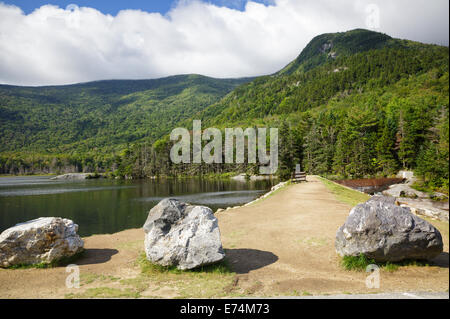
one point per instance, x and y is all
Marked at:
(109, 206)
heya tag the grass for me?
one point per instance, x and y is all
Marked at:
(150, 268)
(360, 263)
(421, 187)
(390, 267)
(303, 293)
(216, 280)
(88, 278)
(209, 281)
(62, 262)
(219, 176)
(344, 194)
(27, 175)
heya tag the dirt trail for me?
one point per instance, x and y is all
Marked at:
(106, 255)
(290, 237)
(282, 245)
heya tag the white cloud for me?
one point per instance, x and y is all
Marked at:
(57, 46)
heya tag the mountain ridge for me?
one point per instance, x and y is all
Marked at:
(88, 83)
(296, 73)
(329, 45)
(68, 105)
(392, 94)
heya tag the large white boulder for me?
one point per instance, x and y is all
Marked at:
(182, 235)
(42, 240)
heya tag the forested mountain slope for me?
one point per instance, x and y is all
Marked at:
(339, 70)
(352, 104)
(89, 122)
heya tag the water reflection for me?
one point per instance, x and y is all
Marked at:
(108, 206)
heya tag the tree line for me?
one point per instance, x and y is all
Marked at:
(366, 114)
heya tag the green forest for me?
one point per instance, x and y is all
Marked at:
(352, 105)
(85, 127)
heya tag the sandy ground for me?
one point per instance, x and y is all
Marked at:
(290, 238)
(280, 246)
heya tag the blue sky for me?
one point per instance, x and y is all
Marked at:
(114, 6)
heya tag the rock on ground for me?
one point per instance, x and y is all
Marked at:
(182, 235)
(386, 232)
(42, 240)
(420, 203)
(405, 190)
(76, 176)
(240, 178)
(424, 207)
(260, 177)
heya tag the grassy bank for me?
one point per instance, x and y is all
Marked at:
(62, 262)
(210, 176)
(213, 281)
(26, 175)
(361, 262)
(345, 194)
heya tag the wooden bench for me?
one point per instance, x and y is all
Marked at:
(298, 177)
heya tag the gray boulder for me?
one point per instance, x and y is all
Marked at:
(381, 200)
(42, 240)
(182, 235)
(77, 176)
(386, 232)
(240, 177)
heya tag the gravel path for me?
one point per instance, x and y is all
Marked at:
(285, 245)
(280, 246)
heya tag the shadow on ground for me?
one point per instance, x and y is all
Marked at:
(243, 261)
(96, 256)
(441, 260)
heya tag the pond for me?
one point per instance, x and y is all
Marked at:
(107, 206)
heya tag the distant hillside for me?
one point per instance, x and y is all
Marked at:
(103, 115)
(353, 104)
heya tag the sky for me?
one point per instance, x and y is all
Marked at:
(113, 6)
(46, 42)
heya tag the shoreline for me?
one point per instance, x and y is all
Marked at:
(274, 189)
(277, 247)
(26, 175)
(222, 176)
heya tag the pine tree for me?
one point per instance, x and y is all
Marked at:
(386, 161)
(286, 151)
